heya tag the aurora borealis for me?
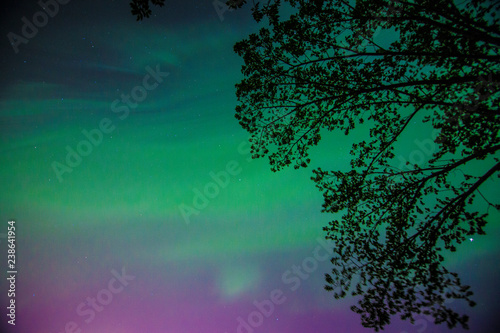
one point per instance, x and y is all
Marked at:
(164, 190)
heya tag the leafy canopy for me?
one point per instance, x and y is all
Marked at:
(326, 67)
(141, 8)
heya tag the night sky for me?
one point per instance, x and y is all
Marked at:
(162, 220)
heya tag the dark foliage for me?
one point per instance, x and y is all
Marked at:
(323, 68)
(141, 8)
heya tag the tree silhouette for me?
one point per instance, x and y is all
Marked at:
(141, 8)
(384, 66)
